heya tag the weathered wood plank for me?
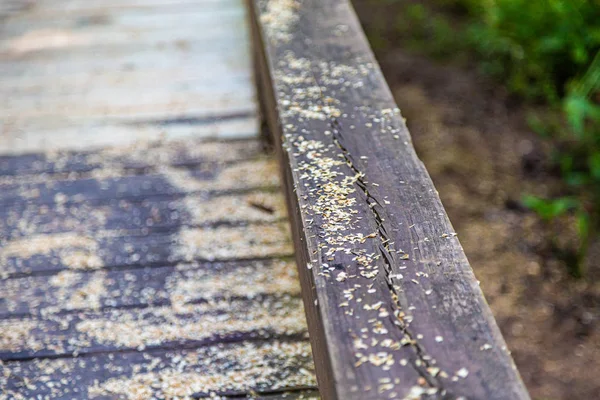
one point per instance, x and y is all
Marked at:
(85, 79)
(224, 370)
(107, 258)
(72, 291)
(145, 59)
(170, 182)
(163, 88)
(44, 9)
(115, 249)
(176, 79)
(394, 309)
(179, 325)
(151, 215)
(159, 103)
(47, 134)
(71, 36)
(146, 155)
(131, 19)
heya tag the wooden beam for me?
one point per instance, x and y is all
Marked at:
(393, 307)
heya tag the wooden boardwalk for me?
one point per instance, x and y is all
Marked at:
(144, 245)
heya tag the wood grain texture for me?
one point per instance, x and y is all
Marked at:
(73, 211)
(139, 260)
(394, 309)
(57, 8)
(112, 297)
(177, 325)
(110, 184)
(152, 215)
(141, 157)
(81, 75)
(138, 288)
(48, 254)
(22, 136)
(225, 370)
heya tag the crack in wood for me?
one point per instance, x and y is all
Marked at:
(383, 247)
(388, 259)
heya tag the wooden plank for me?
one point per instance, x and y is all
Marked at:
(80, 83)
(156, 215)
(222, 54)
(63, 36)
(45, 134)
(393, 307)
(195, 283)
(223, 370)
(159, 103)
(142, 156)
(207, 57)
(170, 182)
(10, 8)
(44, 9)
(133, 20)
(45, 254)
(168, 93)
(117, 46)
(165, 86)
(179, 325)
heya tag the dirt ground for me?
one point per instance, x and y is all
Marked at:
(482, 158)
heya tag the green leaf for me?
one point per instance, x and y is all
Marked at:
(583, 225)
(594, 165)
(575, 107)
(550, 209)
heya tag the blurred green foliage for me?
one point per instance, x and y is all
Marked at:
(549, 50)
(539, 47)
(545, 51)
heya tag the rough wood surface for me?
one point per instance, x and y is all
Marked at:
(140, 157)
(81, 75)
(119, 292)
(115, 183)
(144, 246)
(225, 369)
(394, 309)
(80, 250)
(137, 288)
(179, 324)
(145, 215)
